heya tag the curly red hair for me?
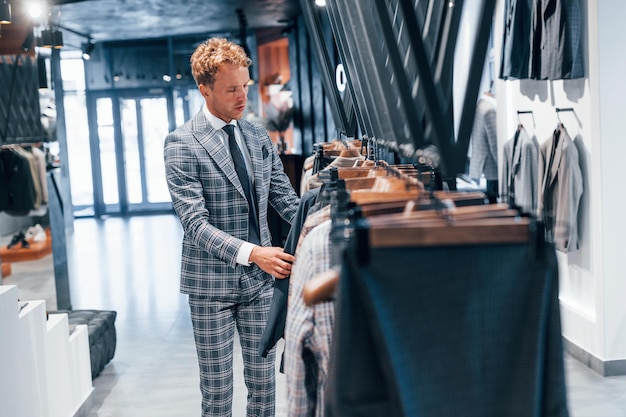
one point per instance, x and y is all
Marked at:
(210, 55)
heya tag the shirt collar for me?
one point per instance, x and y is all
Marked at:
(215, 121)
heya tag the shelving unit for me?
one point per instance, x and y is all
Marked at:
(44, 370)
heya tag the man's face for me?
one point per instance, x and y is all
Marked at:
(228, 96)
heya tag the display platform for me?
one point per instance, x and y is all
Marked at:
(6, 269)
(35, 250)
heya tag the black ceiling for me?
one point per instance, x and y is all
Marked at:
(115, 20)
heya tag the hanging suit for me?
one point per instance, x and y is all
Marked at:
(516, 40)
(484, 159)
(275, 327)
(519, 181)
(308, 330)
(556, 47)
(561, 189)
(18, 192)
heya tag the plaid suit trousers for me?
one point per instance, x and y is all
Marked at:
(214, 325)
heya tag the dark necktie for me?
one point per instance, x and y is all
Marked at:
(244, 179)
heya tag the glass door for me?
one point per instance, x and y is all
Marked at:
(144, 122)
(130, 175)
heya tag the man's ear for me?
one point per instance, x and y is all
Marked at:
(204, 90)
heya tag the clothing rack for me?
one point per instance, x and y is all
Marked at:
(520, 112)
(560, 110)
(402, 93)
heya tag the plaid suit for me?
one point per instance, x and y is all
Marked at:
(484, 158)
(210, 202)
(556, 46)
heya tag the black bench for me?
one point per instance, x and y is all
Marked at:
(102, 336)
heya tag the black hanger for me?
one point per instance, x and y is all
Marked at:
(520, 124)
(558, 112)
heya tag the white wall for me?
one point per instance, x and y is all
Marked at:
(611, 114)
(592, 284)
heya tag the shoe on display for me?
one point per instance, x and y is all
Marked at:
(35, 233)
(30, 233)
(17, 238)
(40, 233)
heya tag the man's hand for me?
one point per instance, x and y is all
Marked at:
(273, 260)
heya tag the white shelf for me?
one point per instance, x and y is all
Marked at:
(44, 371)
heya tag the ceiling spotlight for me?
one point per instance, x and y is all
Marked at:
(88, 49)
(35, 10)
(5, 13)
(46, 38)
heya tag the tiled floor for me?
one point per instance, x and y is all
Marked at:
(131, 266)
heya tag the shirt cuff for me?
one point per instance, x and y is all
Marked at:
(243, 256)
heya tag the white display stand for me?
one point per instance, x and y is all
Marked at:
(44, 371)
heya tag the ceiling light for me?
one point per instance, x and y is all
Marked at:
(57, 39)
(88, 49)
(5, 13)
(35, 10)
(320, 3)
(46, 38)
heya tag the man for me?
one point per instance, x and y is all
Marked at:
(228, 266)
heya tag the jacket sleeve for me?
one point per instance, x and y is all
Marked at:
(182, 170)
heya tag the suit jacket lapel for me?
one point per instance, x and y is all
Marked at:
(558, 155)
(255, 152)
(517, 152)
(210, 140)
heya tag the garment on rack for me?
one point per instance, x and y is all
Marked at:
(556, 43)
(484, 157)
(307, 172)
(20, 191)
(561, 188)
(519, 182)
(542, 40)
(40, 159)
(34, 173)
(275, 327)
(465, 330)
(514, 63)
(340, 161)
(308, 330)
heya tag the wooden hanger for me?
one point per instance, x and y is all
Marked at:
(320, 288)
(440, 232)
(490, 223)
(350, 153)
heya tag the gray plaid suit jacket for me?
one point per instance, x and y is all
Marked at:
(561, 189)
(484, 158)
(520, 171)
(210, 202)
(556, 46)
